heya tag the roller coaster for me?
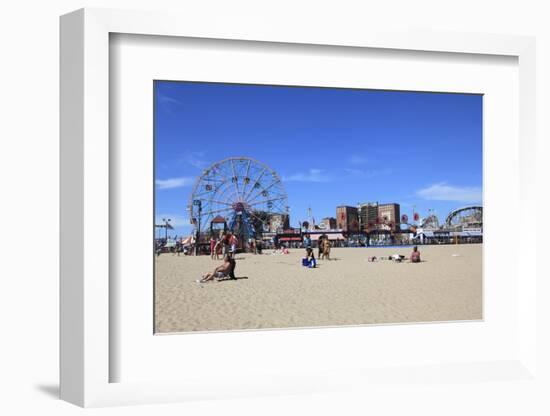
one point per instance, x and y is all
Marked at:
(465, 217)
(462, 225)
(430, 223)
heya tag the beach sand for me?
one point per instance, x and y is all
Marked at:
(348, 290)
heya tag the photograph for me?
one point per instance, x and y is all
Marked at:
(280, 206)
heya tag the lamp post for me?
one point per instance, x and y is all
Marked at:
(198, 203)
(166, 225)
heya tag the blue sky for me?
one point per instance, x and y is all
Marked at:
(330, 146)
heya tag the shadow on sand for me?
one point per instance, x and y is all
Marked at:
(236, 278)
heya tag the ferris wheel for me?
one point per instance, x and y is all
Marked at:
(241, 192)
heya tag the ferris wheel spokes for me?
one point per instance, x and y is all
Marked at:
(246, 178)
(240, 189)
(264, 190)
(216, 211)
(256, 182)
(235, 178)
(265, 201)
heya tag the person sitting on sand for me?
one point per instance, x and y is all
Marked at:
(226, 270)
(309, 260)
(415, 255)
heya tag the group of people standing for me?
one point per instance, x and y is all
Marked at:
(228, 242)
(323, 246)
(224, 245)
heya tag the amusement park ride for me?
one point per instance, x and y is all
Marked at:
(457, 220)
(247, 198)
(465, 217)
(461, 224)
(240, 193)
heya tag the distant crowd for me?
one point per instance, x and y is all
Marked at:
(227, 247)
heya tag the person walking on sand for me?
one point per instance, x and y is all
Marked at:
(415, 255)
(326, 249)
(252, 245)
(218, 248)
(212, 247)
(320, 241)
(226, 243)
(233, 241)
(307, 241)
(259, 246)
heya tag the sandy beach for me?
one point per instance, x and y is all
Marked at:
(275, 291)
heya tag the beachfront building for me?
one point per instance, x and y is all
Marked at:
(390, 215)
(347, 218)
(278, 222)
(468, 236)
(368, 213)
(328, 223)
(289, 237)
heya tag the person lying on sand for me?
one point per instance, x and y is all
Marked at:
(415, 255)
(397, 258)
(226, 270)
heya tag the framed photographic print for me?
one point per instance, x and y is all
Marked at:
(271, 200)
(263, 212)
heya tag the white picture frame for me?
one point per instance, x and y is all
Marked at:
(86, 356)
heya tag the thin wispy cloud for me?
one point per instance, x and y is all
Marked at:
(357, 160)
(171, 183)
(166, 99)
(444, 192)
(195, 159)
(368, 173)
(311, 175)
